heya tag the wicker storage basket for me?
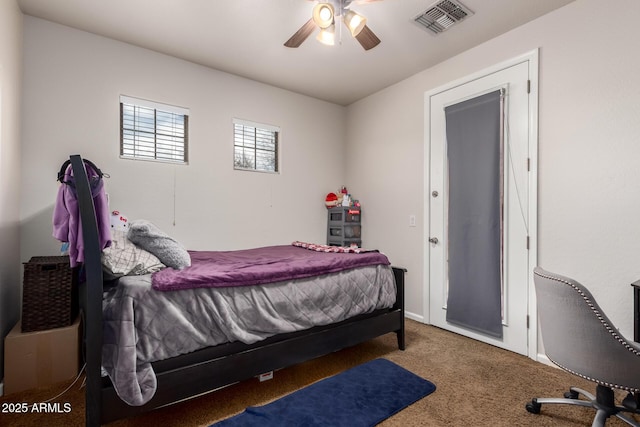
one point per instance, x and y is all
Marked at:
(49, 294)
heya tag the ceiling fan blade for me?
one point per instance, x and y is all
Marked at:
(301, 35)
(367, 38)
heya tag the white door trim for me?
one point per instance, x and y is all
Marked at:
(532, 59)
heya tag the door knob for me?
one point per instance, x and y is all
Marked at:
(434, 240)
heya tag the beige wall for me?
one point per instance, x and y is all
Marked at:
(10, 87)
(73, 80)
(589, 127)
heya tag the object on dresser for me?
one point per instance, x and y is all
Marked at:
(50, 295)
(344, 227)
(331, 200)
(340, 198)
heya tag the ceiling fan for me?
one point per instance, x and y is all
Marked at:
(324, 17)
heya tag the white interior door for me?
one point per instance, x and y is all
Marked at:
(519, 221)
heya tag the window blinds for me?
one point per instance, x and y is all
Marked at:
(153, 131)
(255, 146)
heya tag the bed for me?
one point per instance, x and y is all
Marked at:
(182, 376)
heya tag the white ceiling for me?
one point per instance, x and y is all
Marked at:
(245, 37)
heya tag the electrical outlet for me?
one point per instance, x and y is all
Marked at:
(412, 220)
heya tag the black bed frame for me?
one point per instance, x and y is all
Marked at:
(205, 370)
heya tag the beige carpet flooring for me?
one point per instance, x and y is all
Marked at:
(477, 384)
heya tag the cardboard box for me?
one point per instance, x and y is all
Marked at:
(41, 358)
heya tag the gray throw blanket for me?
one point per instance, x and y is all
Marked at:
(142, 325)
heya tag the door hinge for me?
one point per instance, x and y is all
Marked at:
(528, 164)
(527, 242)
(527, 321)
(528, 86)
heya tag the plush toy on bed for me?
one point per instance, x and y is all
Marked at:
(119, 221)
(123, 257)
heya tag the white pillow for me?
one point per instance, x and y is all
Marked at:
(124, 258)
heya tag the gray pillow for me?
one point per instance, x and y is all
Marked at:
(152, 239)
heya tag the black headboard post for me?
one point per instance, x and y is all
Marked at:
(91, 294)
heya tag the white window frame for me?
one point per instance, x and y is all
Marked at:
(274, 130)
(175, 144)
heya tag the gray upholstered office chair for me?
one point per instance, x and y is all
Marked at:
(579, 338)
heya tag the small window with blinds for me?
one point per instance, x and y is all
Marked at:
(153, 131)
(255, 146)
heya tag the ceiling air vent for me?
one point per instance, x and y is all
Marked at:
(442, 15)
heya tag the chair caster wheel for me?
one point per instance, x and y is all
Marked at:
(571, 394)
(533, 406)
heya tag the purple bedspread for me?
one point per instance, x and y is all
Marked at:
(258, 266)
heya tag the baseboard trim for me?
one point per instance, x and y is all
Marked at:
(542, 358)
(414, 316)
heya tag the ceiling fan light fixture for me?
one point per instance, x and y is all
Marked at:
(323, 15)
(354, 22)
(324, 18)
(327, 35)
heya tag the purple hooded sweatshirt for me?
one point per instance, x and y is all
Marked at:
(67, 226)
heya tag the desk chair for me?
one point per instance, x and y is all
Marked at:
(579, 338)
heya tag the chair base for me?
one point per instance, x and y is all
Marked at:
(603, 403)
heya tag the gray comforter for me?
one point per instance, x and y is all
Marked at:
(142, 325)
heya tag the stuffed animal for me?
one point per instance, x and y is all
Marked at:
(331, 200)
(119, 221)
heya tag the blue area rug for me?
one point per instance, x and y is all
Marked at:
(361, 396)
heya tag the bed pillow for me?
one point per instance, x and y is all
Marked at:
(152, 239)
(123, 258)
